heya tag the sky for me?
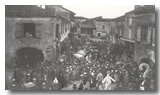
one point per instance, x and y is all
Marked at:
(106, 11)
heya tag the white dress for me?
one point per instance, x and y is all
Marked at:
(107, 81)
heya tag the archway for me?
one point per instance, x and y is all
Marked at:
(29, 56)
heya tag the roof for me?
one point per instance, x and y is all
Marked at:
(105, 20)
(102, 19)
(62, 8)
(87, 24)
(63, 19)
(79, 17)
(142, 10)
(121, 18)
(27, 11)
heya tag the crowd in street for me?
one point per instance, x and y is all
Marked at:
(97, 70)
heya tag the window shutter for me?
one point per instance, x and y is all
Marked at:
(120, 31)
(19, 33)
(153, 36)
(139, 34)
(38, 30)
(143, 34)
(130, 34)
(149, 35)
(130, 21)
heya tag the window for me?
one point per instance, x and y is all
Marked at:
(29, 30)
(138, 33)
(149, 34)
(144, 34)
(153, 37)
(119, 23)
(62, 28)
(57, 30)
(67, 27)
(130, 33)
(130, 21)
(103, 27)
(99, 34)
(120, 32)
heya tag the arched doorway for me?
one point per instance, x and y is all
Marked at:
(29, 56)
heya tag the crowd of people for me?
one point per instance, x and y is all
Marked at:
(98, 69)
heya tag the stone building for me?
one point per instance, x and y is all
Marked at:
(105, 29)
(139, 32)
(32, 34)
(144, 46)
(87, 28)
(120, 22)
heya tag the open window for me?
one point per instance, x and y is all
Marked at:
(29, 30)
(103, 27)
(99, 34)
(57, 31)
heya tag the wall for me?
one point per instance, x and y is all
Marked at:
(141, 50)
(45, 43)
(99, 29)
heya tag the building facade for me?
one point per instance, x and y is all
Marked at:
(139, 32)
(87, 28)
(33, 34)
(120, 22)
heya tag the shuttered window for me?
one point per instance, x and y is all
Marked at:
(153, 37)
(28, 30)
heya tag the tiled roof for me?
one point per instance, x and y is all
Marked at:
(87, 24)
(27, 11)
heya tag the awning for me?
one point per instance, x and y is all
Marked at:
(80, 54)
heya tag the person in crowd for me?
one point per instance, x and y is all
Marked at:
(99, 80)
(107, 81)
(92, 80)
(74, 87)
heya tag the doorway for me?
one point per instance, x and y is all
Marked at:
(29, 57)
